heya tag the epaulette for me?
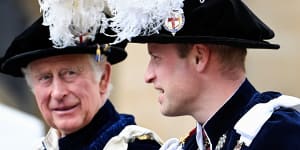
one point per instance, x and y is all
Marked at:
(145, 137)
(191, 133)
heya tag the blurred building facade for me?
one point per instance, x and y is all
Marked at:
(267, 69)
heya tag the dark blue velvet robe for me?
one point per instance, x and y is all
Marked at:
(106, 124)
(280, 132)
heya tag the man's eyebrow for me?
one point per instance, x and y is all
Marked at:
(150, 52)
(74, 67)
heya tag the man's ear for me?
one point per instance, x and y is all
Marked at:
(201, 55)
(105, 79)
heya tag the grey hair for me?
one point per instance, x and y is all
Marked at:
(98, 68)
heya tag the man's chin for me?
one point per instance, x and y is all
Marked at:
(168, 113)
(68, 127)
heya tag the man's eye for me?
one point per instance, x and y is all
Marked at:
(69, 74)
(154, 57)
(44, 78)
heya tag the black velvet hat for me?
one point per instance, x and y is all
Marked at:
(34, 44)
(227, 22)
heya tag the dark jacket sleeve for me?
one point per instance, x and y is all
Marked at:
(143, 145)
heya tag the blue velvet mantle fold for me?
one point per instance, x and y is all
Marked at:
(280, 132)
(106, 124)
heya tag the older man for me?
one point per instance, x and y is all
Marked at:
(71, 89)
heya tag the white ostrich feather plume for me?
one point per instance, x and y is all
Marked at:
(140, 17)
(69, 19)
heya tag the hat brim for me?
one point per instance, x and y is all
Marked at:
(166, 38)
(14, 64)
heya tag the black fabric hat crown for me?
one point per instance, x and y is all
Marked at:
(228, 22)
(34, 44)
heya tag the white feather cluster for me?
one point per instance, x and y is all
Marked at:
(69, 19)
(140, 17)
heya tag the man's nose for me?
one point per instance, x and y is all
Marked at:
(59, 89)
(149, 75)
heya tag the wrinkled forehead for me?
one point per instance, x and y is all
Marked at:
(71, 60)
(68, 58)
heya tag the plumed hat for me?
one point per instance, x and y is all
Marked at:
(227, 22)
(34, 44)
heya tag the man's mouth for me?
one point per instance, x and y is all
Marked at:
(65, 108)
(161, 94)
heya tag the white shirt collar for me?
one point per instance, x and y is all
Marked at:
(199, 136)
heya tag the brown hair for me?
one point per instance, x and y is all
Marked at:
(183, 49)
(231, 58)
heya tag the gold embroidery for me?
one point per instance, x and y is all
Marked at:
(183, 139)
(206, 143)
(144, 137)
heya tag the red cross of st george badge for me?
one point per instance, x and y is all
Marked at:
(174, 23)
